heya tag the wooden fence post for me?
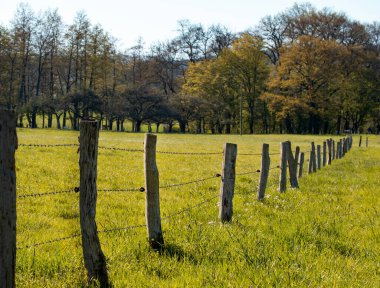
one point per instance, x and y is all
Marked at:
(283, 162)
(292, 163)
(360, 141)
(94, 259)
(319, 160)
(333, 150)
(152, 196)
(264, 172)
(297, 158)
(366, 142)
(312, 160)
(227, 185)
(343, 147)
(329, 151)
(324, 157)
(8, 146)
(300, 169)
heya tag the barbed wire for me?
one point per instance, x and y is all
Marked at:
(50, 241)
(189, 153)
(118, 228)
(249, 172)
(190, 208)
(140, 189)
(48, 145)
(70, 190)
(120, 149)
(189, 182)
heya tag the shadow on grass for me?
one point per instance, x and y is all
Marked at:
(176, 252)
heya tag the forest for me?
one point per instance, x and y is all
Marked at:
(301, 71)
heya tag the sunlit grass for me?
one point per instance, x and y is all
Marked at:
(323, 235)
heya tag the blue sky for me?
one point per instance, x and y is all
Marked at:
(156, 20)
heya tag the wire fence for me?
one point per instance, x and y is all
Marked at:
(137, 189)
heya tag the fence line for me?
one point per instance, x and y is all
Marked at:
(88, 192)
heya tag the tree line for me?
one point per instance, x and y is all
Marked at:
(300, 71)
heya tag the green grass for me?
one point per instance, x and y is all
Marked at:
(325, 234)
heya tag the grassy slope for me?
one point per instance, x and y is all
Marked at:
(325, 234)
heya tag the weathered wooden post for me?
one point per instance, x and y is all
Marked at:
(333, 150)
(292, 163)
(360, 141)
(94, 259)
(319, 160)
(312, 160)
(329, 143)
(300, 169)
(227, 185)
(344, 146)
(264, 172)
(283, 162)
(152, 196)
(366, 142)
(324, 157)
(8, 146)
(297, 158)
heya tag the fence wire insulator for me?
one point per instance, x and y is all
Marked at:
(142, 189)
(76, 189)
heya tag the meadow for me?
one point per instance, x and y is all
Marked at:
(324, 234)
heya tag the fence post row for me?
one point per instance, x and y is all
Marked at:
(152, 196)
(94, 259)
(227, 184)
(264, 172)
(8, 146)
(302, 160)
(292, 163)
(283, 162)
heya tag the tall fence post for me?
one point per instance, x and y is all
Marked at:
(283, 164)
(264, 172)
(297, 158)
(227, 185)
(324, 157)
(312, 160)
(302, 160)
(329, 143)
(8, 146)
(292, 163)
(94, 259)
(333, 150)
(319, 160)
(152, 196)
(360, 141)
(366, 142)
(344, 146)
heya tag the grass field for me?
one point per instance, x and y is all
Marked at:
(325, 234)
